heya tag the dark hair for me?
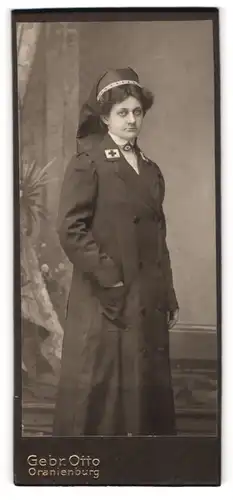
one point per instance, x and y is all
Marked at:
(119, 94)
(92, 124)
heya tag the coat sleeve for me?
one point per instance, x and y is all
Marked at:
(76, 211)
(166, 263)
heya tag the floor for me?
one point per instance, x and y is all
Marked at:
(195, 392)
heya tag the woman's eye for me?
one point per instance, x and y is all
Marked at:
(136, 112)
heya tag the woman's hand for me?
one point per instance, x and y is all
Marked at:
(172, 318)
(112, 300)
(120, 283)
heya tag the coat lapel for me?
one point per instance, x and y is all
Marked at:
(145, 186)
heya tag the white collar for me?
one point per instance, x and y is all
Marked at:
(119, 141)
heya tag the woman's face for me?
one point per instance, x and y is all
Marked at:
(125, 118)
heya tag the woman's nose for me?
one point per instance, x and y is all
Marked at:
(131, 118)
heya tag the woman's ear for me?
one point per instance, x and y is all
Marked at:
(104, 119)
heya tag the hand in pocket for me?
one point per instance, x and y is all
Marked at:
(120, 283)
(112, 300)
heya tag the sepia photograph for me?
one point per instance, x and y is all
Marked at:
(117, 233)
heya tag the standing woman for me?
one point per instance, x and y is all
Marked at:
(115, 372)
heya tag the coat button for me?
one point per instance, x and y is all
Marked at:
(143, 311)
(136, 219)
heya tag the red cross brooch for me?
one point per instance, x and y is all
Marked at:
(112, 153)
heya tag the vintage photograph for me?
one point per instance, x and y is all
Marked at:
(118, 230)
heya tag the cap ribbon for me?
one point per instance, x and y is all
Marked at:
(116, 84)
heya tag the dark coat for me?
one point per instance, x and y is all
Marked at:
(115, 374)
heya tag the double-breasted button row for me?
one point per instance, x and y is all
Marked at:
(156, 217)
(158, 263)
